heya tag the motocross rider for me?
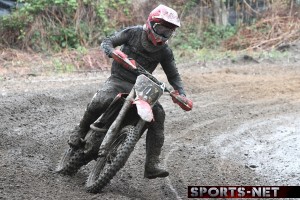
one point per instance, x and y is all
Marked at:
(147, 45)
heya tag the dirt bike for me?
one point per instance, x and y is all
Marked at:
(113, 136)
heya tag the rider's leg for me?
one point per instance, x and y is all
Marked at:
(80, 130)
(99, 103)
(94, 109)
(154, 143)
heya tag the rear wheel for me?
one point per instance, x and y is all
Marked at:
(107, 167)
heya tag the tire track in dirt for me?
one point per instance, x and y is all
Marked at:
(169, 182)
(263, 140)
(244, 106)
(37, 115)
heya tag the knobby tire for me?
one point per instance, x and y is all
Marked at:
(71, 162)
(104, 171)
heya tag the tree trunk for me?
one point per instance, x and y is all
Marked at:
(220, 15)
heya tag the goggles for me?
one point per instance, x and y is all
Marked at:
(162, 30)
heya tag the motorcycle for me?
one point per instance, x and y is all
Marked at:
(113, 136)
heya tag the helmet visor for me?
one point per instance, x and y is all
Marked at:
(162, 30)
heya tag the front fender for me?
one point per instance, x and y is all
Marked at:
(144, 110)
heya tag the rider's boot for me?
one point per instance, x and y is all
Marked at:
(79, 132)
(154, 143)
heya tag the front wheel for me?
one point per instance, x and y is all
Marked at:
(70, 162)
(107, 167)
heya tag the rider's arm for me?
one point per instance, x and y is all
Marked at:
(171, 71)
(117, 39)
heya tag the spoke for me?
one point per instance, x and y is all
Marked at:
(114, 148)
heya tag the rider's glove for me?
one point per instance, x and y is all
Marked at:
(185, 103)
(122, 59)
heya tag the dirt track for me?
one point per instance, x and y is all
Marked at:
(244, 130)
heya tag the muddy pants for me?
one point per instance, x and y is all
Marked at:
(102, 99)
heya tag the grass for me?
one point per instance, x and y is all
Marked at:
(60, 67)
(20, 63)
(206, 55)
(16, 62)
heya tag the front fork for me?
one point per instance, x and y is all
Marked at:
(115, 126)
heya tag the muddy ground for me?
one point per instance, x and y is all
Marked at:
(244, 130)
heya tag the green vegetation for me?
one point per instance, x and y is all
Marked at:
(54, 26)
(211, 37)
(204, 54)
(44, 25)
(205, 46)
(60, 67)
(273, 55)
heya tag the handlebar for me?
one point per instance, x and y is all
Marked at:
(137, 68)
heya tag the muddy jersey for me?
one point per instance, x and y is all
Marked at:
(134, 43)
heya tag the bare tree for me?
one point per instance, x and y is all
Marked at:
(220, 14)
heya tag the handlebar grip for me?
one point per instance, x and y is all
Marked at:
(123, 60)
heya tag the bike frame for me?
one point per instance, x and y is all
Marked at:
(144, 95)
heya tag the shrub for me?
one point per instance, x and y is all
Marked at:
(57, 24)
